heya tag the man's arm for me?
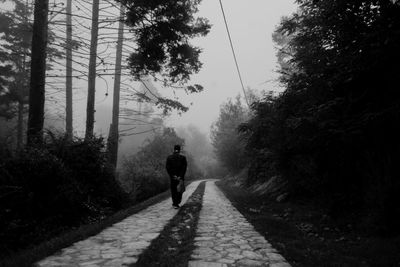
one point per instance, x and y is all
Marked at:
(168, 166)
(184, 167)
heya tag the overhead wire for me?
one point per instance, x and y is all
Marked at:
(233, 52)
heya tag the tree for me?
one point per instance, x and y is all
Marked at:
(285, 52)
(15, 53)
(114, 132)
(68, 81)
(90, 109)
(334, 132)
(162, 30)
(228, 145)
(38, 72)
(345, 53)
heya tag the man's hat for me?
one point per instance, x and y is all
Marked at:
(177, 148)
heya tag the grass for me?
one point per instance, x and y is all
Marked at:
(35, 253)
(306, 236)
(175, 243)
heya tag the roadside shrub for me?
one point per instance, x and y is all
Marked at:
(143, 179)
(88, 163)
(39, 185)
(37, 196)
(45, 190)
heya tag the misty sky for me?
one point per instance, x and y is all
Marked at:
(251, 25)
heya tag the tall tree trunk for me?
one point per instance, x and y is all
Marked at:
(114, 131)
(68, 86)
(20, 125)
(92, 71)
(38, 72)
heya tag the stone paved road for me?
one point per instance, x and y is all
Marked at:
(121, 243)
(224, 237)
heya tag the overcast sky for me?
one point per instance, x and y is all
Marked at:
(251, 25)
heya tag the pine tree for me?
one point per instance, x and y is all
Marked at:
(38, 72)
(68, 82)
(90, 109)
(15, 51)
(114, 133)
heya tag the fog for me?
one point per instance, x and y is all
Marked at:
(197, 144)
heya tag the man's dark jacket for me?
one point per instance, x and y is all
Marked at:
(176, 165)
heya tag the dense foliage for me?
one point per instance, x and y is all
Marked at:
(334, 132)
(44, 190)
(144, 173)
(162, 30)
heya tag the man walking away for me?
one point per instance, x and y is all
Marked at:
(176, 167)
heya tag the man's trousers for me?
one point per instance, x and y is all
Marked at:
(176, 196)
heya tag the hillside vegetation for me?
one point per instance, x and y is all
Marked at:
(332, 135)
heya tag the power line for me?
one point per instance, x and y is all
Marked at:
(233, 52)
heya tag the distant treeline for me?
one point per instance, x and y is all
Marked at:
(333, 134)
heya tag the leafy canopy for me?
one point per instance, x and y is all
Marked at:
(162, 30)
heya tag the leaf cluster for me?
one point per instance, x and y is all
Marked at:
(162, 30)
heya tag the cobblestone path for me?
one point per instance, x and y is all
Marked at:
(120, 244)
(225, 238)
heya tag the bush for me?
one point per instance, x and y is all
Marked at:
(141, 178)
(46, 189)
(39, 185)
(88, 162)
(37, 192)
